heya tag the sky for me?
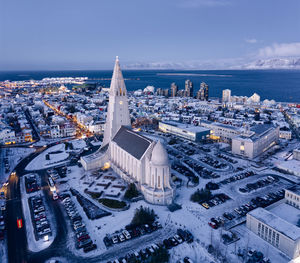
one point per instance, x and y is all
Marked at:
(88, 34)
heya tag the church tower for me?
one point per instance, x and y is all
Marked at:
(117, 112)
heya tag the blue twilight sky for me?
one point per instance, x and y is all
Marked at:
(88, 34)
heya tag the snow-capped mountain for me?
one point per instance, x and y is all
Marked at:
(274, 63)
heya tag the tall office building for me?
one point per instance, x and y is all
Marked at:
(189, 89)
(174, 89)
(226, 95)
(202, 93)
(166, 92)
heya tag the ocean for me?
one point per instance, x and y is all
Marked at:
(280, 85)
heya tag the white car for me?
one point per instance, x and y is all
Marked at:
(54, 195)
(178, 238)
(45, 231)
(115, 240)
(76, 226)
(126, 234)
(121, 237)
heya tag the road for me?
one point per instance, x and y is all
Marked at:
(35, 133)
(17, 240)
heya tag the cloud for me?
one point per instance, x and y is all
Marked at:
(203, 3)
(280, 50)
(251, 40)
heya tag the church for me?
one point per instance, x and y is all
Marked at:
(136, 158)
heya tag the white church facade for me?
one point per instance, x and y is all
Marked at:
(134, 157)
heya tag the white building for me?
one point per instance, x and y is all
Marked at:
(285, 133)
(226, 95)
(281, 234)
(255, 141)
(187, 131)
(292, 196)
(7, 136)
(134, 157)
(96, 127)
(60, 131)
(83, 119)
(222, 132)
(296, 154)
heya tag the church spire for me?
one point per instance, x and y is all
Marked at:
(117, 85)
(117, 111)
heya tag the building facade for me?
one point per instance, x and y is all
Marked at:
(226, 95)
(174, 89)
(292, 196)
(189, 88)
(186, 131)
(296, 154)
(255, 141)
(285, 133)
(221, 132)
(281, 234)
(202, 93)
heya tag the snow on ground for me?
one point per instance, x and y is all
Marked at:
(43, 141)
(14, 155)
(192, 216)
(292, 166)
(251, 241)
(33, 244)
(57, 154)
(194, 251)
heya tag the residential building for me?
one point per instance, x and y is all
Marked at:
(285, 133)
(7, 136)
(189, 89)
(174, 89)
(226, 95)
(202, 93)
(292, 196)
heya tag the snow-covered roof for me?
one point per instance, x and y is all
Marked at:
(277, 223)
(187, 127)
(295, 189)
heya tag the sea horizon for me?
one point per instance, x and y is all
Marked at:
(282, 85)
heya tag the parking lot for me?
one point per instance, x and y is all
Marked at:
(229, 219)
(129, 233)
(147, 252)
(82, 236)
(42, 228)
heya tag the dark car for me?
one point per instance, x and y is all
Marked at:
(167, 244)
(107, 242)
(185, 235)
(89, 248)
